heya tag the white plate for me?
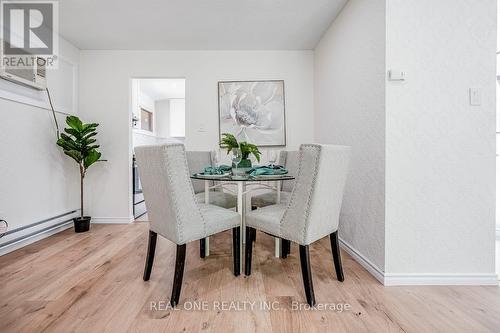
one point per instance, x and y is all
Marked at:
(213, 176)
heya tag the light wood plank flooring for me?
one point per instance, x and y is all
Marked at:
(92, 282)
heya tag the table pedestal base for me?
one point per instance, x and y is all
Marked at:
(240, 208)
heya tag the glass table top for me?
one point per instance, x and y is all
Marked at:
(232, 178)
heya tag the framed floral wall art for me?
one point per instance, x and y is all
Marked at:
(253, 111)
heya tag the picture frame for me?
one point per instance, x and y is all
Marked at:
(253, 111)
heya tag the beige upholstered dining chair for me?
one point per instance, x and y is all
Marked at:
(313, 210)
(173, 210)
(197, 161)
(290, 160)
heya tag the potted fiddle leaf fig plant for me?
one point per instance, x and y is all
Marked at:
(79, 143)
(229, 142)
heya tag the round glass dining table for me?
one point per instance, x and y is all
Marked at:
(244, 185)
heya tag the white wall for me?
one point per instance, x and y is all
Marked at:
(498, 139)
(440, 151)
(177, 114)
(349, 100)
(420, 202)
(498, 144)
(162, 118)
(105, 95)
(37, 181)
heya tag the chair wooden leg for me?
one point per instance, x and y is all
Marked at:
(289, 247)
(305, 264)
(334, 242)
(236, 250)
(254, 232)
(150, 256)
(248, 251)
(180, 259)
(285, 245)
(203, 243)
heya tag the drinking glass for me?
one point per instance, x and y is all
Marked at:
(237, 157)
(272, 157)
(216, 157)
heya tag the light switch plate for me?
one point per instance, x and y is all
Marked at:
(397, 75)
(475, 96)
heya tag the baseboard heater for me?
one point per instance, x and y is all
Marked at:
(23, 235)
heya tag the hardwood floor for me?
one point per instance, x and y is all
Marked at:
(92, 282)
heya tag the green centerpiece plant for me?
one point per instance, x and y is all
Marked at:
(229, 142)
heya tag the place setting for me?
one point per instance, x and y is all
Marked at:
(242, 168)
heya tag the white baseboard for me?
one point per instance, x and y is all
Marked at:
(112, 220)
(428, 279)
(363, 261)
(36, 237)
(421, 279)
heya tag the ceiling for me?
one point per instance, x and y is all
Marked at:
(196, 24)
(159, 89)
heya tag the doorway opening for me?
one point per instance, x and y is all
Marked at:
(158, 115)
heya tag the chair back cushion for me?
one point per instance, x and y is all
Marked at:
(314, 207)
(170, 201)
(197, 161)
(290, 160)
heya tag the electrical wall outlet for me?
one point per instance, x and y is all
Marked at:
(475, 96)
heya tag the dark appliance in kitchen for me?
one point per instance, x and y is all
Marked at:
(139, 206)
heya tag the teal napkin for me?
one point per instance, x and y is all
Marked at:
(210, 170)
(268, 170)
